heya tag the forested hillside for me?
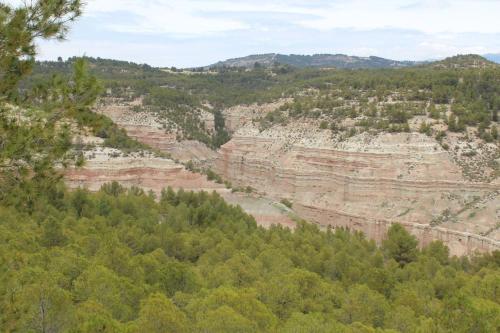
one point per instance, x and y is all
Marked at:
(117, 261)
(126, 261)
(316, 60)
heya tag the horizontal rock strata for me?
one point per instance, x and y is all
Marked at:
(365, 183)
(153, 173)
(147, 172)
(145, 128)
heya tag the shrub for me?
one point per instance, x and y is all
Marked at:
(286, 202)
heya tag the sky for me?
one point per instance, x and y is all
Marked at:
(190, 33)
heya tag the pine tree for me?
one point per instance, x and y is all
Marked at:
(400, 245)
(19, 29)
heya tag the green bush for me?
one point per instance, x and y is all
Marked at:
(287, 203)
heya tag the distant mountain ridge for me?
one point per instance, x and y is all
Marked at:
(495, 57)
(464, 61)
(316, 60)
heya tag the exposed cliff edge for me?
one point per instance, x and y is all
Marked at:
(367, 182)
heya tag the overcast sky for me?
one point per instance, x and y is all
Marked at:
(187, 33)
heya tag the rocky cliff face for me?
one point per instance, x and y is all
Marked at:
(104, 165)
(144, 127)
(366, 183)
(151, 173)
(240, 115)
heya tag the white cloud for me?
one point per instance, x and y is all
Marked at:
(198, 17)
(441, 49)
(189, 16)
(157, 16)
(424, 16)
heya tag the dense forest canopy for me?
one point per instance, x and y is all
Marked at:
(118, 261)
(125, 261)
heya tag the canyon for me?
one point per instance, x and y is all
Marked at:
(365, 182)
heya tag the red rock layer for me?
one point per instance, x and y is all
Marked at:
(396, 178)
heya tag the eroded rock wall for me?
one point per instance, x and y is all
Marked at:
(146, 171)
(145, 128)
(365, 183)
(143, 170)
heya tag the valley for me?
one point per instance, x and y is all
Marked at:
(270, 193)
(341, 161)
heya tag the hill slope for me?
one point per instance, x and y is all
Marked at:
(316, 60)
(465, 61)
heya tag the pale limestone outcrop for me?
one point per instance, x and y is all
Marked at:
(140, 126)
(240, 115)
(104, 165)
(195, 151)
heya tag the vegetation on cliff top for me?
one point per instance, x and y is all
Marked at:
(378, 99)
